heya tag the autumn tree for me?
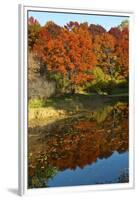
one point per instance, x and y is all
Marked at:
(79, 50)
(104, 48)
(121, 35)
(53, 29)
(116, 32)
(96, 30)
(122, 53)
(71, 25)
(69, 56)
(33, 32)
(124, 24)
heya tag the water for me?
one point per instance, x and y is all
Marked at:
(90, 148)
(103, 171)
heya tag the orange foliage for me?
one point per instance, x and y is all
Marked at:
(104, 47)
(122, 52)
(75, 49)
(69, 53)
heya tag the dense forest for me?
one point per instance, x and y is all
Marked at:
(79, 57)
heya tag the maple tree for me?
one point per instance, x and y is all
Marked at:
(69, 55)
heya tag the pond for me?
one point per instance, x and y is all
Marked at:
(85, 149)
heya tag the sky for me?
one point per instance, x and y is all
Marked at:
(62, 18)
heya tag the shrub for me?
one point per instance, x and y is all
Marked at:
(37, 103)
(101, 87)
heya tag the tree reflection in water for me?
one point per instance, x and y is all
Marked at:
(76, 142)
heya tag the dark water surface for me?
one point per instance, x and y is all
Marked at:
(90, 148)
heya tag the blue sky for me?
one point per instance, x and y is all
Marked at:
(62, 18)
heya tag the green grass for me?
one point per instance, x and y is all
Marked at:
(37, 103)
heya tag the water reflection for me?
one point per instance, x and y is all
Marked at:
(78, 143)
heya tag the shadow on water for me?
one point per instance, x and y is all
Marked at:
(83, 101)
(78, 142)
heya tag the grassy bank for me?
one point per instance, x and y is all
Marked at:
(55, 108)
(60, 107)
